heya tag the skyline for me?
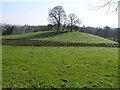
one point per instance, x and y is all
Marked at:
(36, 12)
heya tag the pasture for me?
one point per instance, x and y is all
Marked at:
(59, 66)
(62, 36)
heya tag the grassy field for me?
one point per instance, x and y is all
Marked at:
(61, 37)
(72, 67)
(59, 67)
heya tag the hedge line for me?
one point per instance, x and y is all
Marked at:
(19, 42)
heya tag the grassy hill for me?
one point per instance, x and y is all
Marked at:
(61, 37)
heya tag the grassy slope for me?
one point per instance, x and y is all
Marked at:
(62, 36)
(19, 35)
(59, 67)
(0, 66)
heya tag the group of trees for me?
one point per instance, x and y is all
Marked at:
(106, 32)
(58, 18)
(8, 29)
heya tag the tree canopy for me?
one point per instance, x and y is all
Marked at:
(57, 16)
(73, 20)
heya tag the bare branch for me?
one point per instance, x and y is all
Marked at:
(106, 4)
(73, 20)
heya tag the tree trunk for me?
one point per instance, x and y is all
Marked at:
(58, 27)
(71, 28)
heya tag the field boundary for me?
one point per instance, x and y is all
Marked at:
(18, 42)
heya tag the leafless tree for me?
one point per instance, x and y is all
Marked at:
(57, 16)
(73, 20)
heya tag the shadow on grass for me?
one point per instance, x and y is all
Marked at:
(45, 34)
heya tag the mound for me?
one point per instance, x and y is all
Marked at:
(63, 36)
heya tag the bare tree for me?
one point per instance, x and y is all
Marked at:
(57, 16)
(73, 20)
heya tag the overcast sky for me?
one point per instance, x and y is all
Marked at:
(35, 12)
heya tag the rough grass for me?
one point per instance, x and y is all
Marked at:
(0, 66)
(59, 67)
(62, 36)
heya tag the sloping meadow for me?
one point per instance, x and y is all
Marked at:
(53, 38)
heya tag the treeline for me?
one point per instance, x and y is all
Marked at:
(106, 32)
(8, 29)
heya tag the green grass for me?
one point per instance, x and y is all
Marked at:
(71, 67)
(59, 67)
(61, 37)
(19, 35)
(0, 66)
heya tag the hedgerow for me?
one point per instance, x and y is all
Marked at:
(18, 42)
